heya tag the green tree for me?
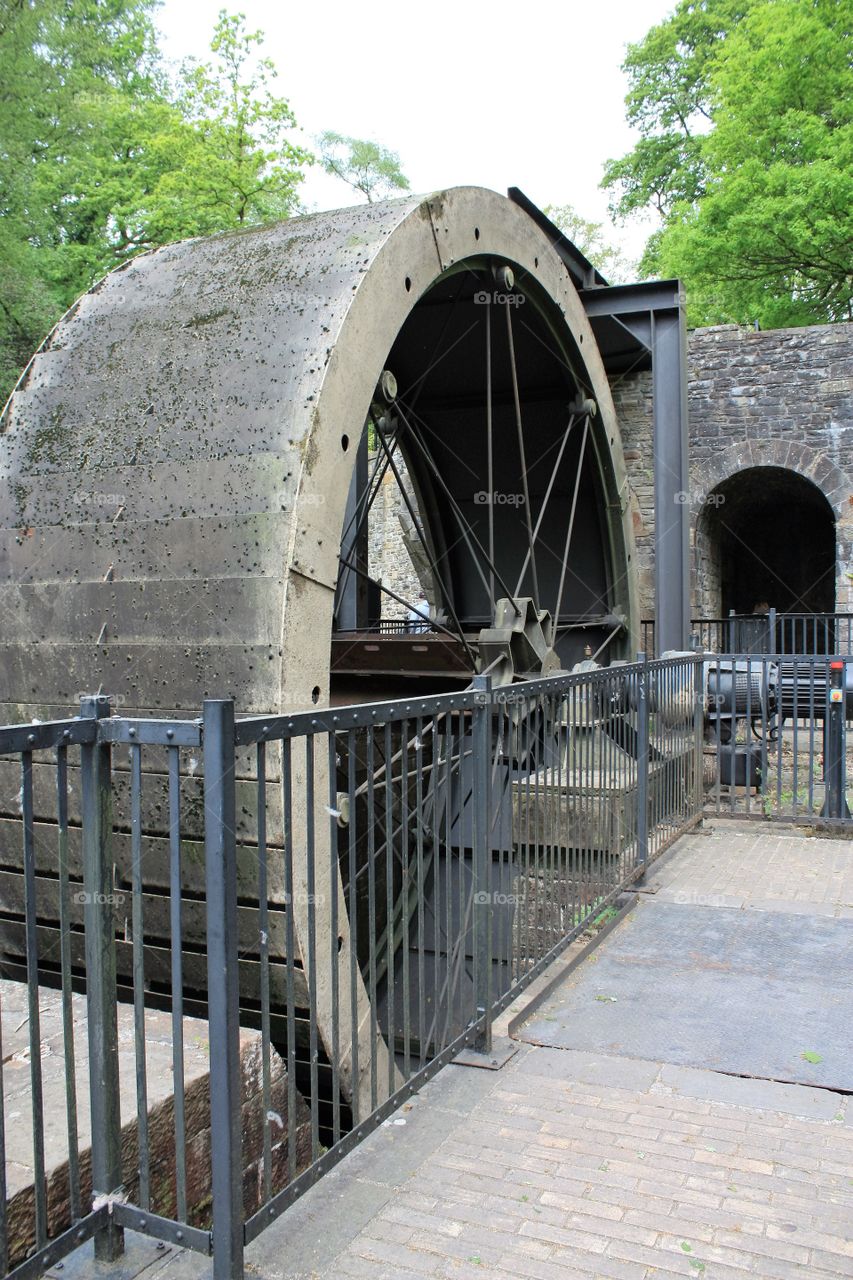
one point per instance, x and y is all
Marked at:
(670, 102)
(757, 221)
(368, 168)
(592, 238)
(58, 58)
(100, 157)
(233, 163)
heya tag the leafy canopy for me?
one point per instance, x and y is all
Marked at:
(745, 109)
(592, 238)
(103, 157)
(372, 170)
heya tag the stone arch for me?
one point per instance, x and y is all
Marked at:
(780, 457)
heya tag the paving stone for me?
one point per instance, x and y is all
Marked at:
(575, 1164)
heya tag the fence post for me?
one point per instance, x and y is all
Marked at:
(101, 996)
(643, 762)
(481, 776)
(223, 991)
(835, 800)
(699, 732)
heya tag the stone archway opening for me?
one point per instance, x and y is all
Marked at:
(766, 537)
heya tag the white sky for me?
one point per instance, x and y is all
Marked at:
(469, 93)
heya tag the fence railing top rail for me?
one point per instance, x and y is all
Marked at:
(15, 738)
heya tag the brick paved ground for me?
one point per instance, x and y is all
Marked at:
(573, 1165)
(730, 864)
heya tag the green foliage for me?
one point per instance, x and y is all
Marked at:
(746, 113)
(101, 158)
(61, 61)
(232, 162)
(372, 170)
(592, 240)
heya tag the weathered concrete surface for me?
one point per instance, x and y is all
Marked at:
(572, 1164)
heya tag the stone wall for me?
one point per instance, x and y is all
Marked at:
(389, 551)
(781, 398)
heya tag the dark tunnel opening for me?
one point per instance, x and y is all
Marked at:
(767, 540)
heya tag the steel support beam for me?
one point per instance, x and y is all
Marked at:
(653, 314)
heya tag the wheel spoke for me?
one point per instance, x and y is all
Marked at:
(524, 479)
(445, 594)
(465, 528)
(366, 501)
(546, 498)
(489, 453)
(571, 520)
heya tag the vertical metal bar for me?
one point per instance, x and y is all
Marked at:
(138, 926)
(4, 1232)
(751, 661)
(353, 925)
(334, 976)
(765, 782)
(176, 928)
(555, 791)
(311, 958)
(405, 898)
(698, 734)
(419, 853)
(389, 902)
(718, 776)
(371, 915)
(490, 471)
(95, 773)
(69, 1055)
(223, 989)
(33, 1010)
(835, 801)
(795, 757)
(290, 942)
(264, 957)
(452, 943)
(642, 762)
(481, 775)
(812, 667)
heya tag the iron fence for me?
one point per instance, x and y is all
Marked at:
(787, 634)
(779, 738)
(337, 902)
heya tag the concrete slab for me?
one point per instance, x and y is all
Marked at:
(594, 1068)
(745, 992)
(763, 1095)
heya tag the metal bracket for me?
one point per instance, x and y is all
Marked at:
(502, 1050)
